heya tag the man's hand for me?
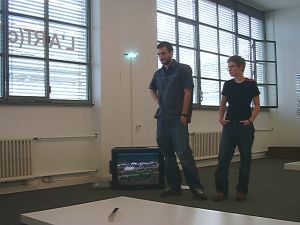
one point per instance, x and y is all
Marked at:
(184, 120)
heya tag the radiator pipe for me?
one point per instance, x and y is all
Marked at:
(258, 129)
(37, 138)
(264, 129)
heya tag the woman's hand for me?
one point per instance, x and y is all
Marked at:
(222, 121)
(246, 122)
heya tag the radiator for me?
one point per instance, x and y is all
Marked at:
(205, 145)
(15, 160)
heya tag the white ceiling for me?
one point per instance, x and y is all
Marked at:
(266, 5)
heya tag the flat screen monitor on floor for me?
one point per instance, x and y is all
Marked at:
(137, 167)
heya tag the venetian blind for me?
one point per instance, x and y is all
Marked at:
(48, 53)
(298, 93)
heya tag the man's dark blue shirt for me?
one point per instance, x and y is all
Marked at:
(170, 84)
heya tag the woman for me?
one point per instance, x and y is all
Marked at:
(238, 129)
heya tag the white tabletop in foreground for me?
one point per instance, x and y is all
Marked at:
(140, 212)
(292, 166)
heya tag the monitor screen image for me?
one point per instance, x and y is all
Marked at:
(137, 168)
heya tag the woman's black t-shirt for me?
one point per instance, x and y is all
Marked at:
(239, 97)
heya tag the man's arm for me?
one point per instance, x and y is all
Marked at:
(154, 95)
(186, 104)
(186, 100)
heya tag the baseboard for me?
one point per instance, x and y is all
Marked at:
(236, 158)
(284, 152)
(96, 181)
(48, 182)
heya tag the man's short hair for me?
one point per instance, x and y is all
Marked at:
(238, 60)
(166, 44)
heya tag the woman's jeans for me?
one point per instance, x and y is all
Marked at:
(234, 134)
(173, 137)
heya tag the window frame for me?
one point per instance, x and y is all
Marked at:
(265, 85)
(238, 8)
(297, 94)
(5, 98)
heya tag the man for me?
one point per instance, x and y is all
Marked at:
(172, 88)
(238, 129)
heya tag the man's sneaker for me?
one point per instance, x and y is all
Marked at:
(240, 196)
(220, 197)
(199, 194)
(171, 192)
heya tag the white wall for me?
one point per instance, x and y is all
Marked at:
(130, 25)
(54, 156)
(283, 26)
(126, 26)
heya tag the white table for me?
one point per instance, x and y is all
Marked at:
(140, 212)
(292, 166)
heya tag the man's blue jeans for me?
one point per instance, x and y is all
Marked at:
(234, 134)
(173, 137)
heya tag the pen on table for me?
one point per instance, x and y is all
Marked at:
(113, 214)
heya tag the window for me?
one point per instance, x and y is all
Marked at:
(45, 52)
(205, 33)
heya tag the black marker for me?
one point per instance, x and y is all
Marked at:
(113, 214)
